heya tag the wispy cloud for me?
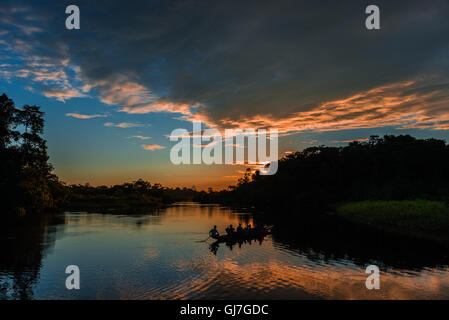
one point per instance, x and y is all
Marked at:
(352, 140)
(141, 137)
(152, 147)
(408, 104)
(250, 78)
(50, 72)
(122, 91)
(123, 125)
(85, 116)
(63, 94)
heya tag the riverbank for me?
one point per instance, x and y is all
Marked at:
(124, 204)
(418, 218)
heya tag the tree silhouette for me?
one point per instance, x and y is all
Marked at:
(26, 178)
(317, 178)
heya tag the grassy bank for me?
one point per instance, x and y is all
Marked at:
(419, 218)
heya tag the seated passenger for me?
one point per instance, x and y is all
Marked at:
(240, 228)
(213, 233)
(230, 230)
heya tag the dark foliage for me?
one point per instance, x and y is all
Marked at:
(26, 179)
(27, 183)
(126, 196)
(388, 168)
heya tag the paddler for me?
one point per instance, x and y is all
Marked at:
(213, 233)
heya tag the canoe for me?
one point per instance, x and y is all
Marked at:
(247, 235)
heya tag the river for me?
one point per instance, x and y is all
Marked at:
(163, 255)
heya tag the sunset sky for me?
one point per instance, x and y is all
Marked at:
(136, 70)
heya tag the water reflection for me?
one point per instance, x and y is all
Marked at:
(214, 246)
(363, 245)
(163, 255)
(23, 247)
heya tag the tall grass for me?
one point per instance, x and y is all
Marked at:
(423, 218)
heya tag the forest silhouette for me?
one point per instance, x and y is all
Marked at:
(28, 184)
(318, 178)
(315, 179)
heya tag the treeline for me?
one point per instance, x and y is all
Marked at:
(318, 178)
(389, 168)
(127, 197)
(28, 184)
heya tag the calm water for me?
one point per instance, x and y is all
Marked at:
(162, 256)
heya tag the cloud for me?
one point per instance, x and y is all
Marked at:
(123, 125)
(141, 137)
(243, 64)
(411, 104)
(62, 95)
(351, 140)
(152, 147)
(85, 116)
(46, 70)
(123, 92)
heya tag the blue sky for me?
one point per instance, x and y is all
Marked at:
(136, 71)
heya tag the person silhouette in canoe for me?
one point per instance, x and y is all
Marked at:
(213, 233)
(230, 230)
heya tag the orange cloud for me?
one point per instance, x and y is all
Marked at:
(141, 137)
(352, 140)
(85, 116)
(135, 98)
(123, 125)
(63, 94)
(152, 147)
(409, 104)
(158, 107)
(122, 92)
